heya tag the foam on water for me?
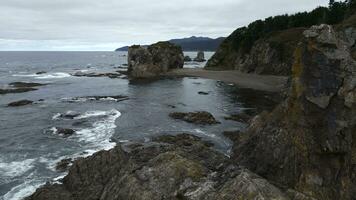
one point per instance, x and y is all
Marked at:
(55, 75)
(23, 190)
(93, 140)
(98, 137)
(15, 168)
(96, 114)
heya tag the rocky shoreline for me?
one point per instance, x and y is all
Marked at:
(302, 150)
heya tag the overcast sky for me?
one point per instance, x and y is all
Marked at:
(108, 24)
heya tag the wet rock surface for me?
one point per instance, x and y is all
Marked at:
(94, 74)
(20, 87)
(307, 142)
(195, 117)
(20, 103)
(154, 60)
(64, 131)
(171, 167)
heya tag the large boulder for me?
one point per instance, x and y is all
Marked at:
(308, 142)
(154, 60)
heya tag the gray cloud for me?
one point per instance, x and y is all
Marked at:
(106, 24)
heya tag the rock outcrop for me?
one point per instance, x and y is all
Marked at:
(272, 54)
(154, 60)
(20, 103)
(171, 167)
(200, 57)
(195, 117)
(308, 142)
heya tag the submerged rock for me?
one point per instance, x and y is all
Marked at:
(195, 117)
(203, 93)
(94, 74)
(65, 131)
(172, 167)
(20, 87)
(26, 84)
(200, 57)
(20, 103)
(154, 60)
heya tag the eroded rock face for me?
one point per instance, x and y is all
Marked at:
(155, 59)
(307, 142)
(272, 54)
(172, 167)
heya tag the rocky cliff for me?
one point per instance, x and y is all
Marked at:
(267, 46)
(272, 54)
(308, 142)
(151, 61)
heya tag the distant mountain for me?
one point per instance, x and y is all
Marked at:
(193, 44)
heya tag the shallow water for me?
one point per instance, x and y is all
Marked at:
(29, 145)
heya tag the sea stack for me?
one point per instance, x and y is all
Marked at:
(154, 60)
(200, 57)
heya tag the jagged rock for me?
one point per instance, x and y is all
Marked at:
(195, 117)
(187, 59)
(200, 57)
(154, 60)
(307, 143)
(171, 167)
(20, 103)
(63, 165)
(65, 131)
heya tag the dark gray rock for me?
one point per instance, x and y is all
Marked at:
(195, 117)
(187, 59)
(200, 57)
(171, 167)
(65, 131)
(20, 103)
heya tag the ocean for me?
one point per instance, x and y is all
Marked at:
(30, 146)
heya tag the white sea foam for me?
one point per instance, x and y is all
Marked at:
(55, 75)
(23, 190)
(56, 116)
(15, 168)
(98, 137)
(95, 114)
(204, 133)
(94, 139)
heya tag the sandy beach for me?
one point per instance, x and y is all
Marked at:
(258, 82)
